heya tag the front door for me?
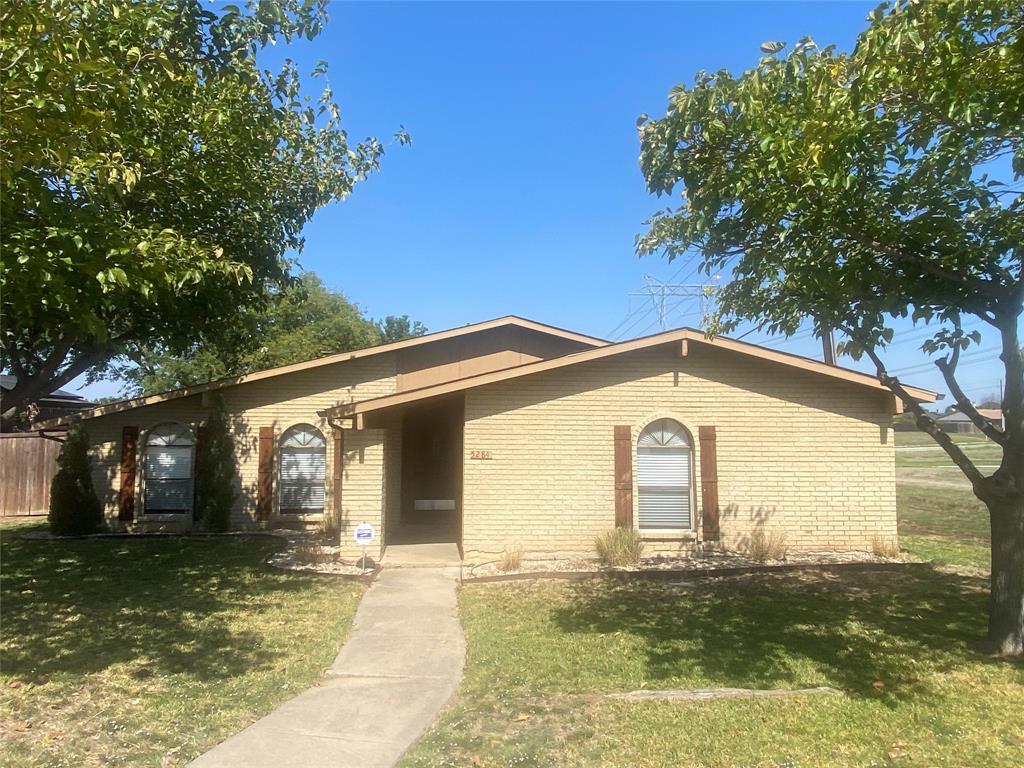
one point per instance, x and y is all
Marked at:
(432, 470)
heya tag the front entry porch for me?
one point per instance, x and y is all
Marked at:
(425, 522)
(431, 555)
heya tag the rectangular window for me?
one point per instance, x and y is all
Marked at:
(663, 488)
(302, 479)
(168, 474)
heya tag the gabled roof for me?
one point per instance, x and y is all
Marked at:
(499, 322)
(682, 336)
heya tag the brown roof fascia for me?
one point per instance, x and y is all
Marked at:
(645, 342)
(498, 322)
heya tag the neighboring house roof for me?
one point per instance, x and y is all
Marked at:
(682, 336)
(992, 414)
(500, 322)
(59, 398)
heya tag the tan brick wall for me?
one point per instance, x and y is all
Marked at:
(799, 453)
(278, 402)
(363, 489)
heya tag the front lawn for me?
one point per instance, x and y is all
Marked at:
(148, 652)
(947, 525)
(899, 646)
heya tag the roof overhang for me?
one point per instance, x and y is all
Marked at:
(682, 337)
(499, 322)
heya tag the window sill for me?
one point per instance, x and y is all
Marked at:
(668, 535)
(282, 516)
(165, 516)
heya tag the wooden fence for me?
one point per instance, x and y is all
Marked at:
(28, 461)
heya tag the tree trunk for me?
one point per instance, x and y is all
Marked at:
(1006, 606)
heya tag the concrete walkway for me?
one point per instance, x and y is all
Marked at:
(399, 667)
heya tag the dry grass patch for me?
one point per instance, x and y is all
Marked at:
(619, 547)
(511, 558)
(765, 546)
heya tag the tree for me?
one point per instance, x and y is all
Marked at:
(75, 510)
(153, 178)
(301, 322)
(215, 472)
(864, 187)
(393, 328)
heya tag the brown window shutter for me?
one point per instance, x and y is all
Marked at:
(709, 482)
(265, 477)
(197, 462)
(339, 468)
(623, 477)
(129, 462)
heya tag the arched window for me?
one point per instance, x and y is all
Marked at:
(167, 470)
(663, 455)
(303, 468)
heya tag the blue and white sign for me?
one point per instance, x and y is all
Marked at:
(363, 534)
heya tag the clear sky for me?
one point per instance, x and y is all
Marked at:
(521, 192)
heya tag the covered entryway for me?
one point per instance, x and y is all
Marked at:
(429, 509)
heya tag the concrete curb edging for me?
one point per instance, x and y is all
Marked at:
(712, 694)
(680, 573)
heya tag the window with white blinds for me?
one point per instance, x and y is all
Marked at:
(303, 470)
(663, 456)
(167, 470)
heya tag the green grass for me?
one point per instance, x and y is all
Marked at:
(919, 449)
(900, 646)
(948, 525)
(150, 651)
(543, 655)
(917, 438)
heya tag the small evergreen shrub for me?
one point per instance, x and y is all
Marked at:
(215, 473)
(75, 510)
(619, 546)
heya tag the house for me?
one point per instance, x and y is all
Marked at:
(958, 421)
(511, 432)
(58, 403)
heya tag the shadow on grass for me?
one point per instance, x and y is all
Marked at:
(869, 634)
(78, 607)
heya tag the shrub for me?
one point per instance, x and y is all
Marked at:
(885, 546)
(215, 473)
(75, 510)
(619, 546)
(770, 546)
(330, 527)
(309, 551)
(511, 558)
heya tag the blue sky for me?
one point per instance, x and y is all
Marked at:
(521, 192)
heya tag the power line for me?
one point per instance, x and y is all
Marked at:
(629, 314)
(972, 357)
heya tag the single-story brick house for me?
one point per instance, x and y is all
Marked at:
(511, 432)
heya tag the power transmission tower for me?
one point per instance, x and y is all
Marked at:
(658, 292)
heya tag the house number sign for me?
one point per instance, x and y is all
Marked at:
(480, 455)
